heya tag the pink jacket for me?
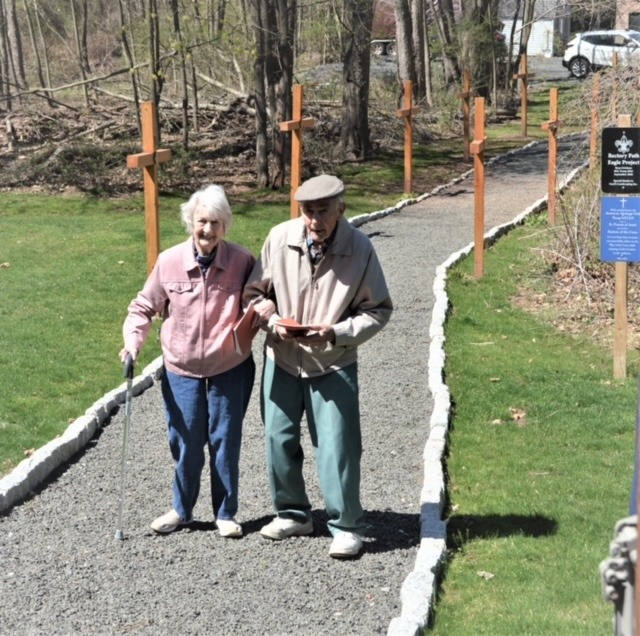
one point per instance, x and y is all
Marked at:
(198, 311)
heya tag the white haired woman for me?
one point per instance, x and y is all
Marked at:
(196, 287)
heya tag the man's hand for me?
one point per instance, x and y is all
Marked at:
(318, 334)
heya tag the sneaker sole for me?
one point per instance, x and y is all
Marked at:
(344, 555)
(169, 529)
(280, 537)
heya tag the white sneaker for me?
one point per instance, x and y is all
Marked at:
(168, 522)
(229, 528)
(281, 528)
(345, 544)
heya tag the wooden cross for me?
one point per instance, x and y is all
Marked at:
(296, 126)
(466, 110)
(148, 160)
(477, 148)
(407, 112)
(552, 126)
(523, 76)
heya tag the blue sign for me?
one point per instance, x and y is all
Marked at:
(620, 229)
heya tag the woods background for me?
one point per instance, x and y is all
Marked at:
(197, 59)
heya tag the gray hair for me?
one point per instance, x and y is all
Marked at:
(210, 200)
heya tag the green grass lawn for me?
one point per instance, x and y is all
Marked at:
(70, 268)
(540, 460)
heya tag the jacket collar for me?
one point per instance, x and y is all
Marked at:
(341, 244)
(221, 261)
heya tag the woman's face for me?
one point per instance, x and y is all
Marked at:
(207, 231)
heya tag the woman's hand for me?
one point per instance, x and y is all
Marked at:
(263, 310)
(125, 352)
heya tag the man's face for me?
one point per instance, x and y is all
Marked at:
(321, 217)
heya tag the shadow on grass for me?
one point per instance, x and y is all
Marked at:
(462, 529)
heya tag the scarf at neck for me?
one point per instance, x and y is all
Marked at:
(204, 260)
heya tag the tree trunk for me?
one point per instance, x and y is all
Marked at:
(259, 76)
(404, 44)
(285, 17)
(154, 59)
(45, 51)
(16, 58)
(5, 79)
(445, 21)
(130, 59)
(36, 51)
(79, 49)
(183, 73)
(355, 137)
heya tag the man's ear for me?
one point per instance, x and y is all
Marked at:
(343, 207)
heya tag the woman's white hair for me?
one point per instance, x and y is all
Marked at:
(211, 201)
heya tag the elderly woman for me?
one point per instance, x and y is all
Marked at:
(196, 287)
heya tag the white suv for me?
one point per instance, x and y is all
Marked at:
(594, 50)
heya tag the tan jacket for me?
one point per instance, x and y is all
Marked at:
(347, 290)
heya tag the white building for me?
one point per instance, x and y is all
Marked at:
(549, 31)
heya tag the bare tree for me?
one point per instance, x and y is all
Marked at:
(355, 136)
(179, 44)
(258, 7)
(282, 81)
(445, 21)
(5, 81)
(412, 45)
(14, 40)
(127, 48)
(80, 33)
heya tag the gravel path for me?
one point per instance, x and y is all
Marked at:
(64, 573)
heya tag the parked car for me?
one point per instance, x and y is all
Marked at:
(595, 50)
(383, 47)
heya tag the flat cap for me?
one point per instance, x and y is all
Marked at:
(324, 186)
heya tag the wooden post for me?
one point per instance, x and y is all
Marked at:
(620, 306)
(407, 112)
(552, 127)
(296, 126)
(148, 160)
(466, 110)
(477, 148)
(595, 103)
(523, 76)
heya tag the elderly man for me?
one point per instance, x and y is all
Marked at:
(330, 296)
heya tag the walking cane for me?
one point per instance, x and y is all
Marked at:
(128, 374)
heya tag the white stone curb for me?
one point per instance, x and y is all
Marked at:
(31, 472)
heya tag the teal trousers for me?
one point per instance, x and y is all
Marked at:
(331, 405)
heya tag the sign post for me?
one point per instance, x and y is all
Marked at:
(619, 235)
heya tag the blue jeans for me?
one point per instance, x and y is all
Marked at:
(207, 411)
(331, 405)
